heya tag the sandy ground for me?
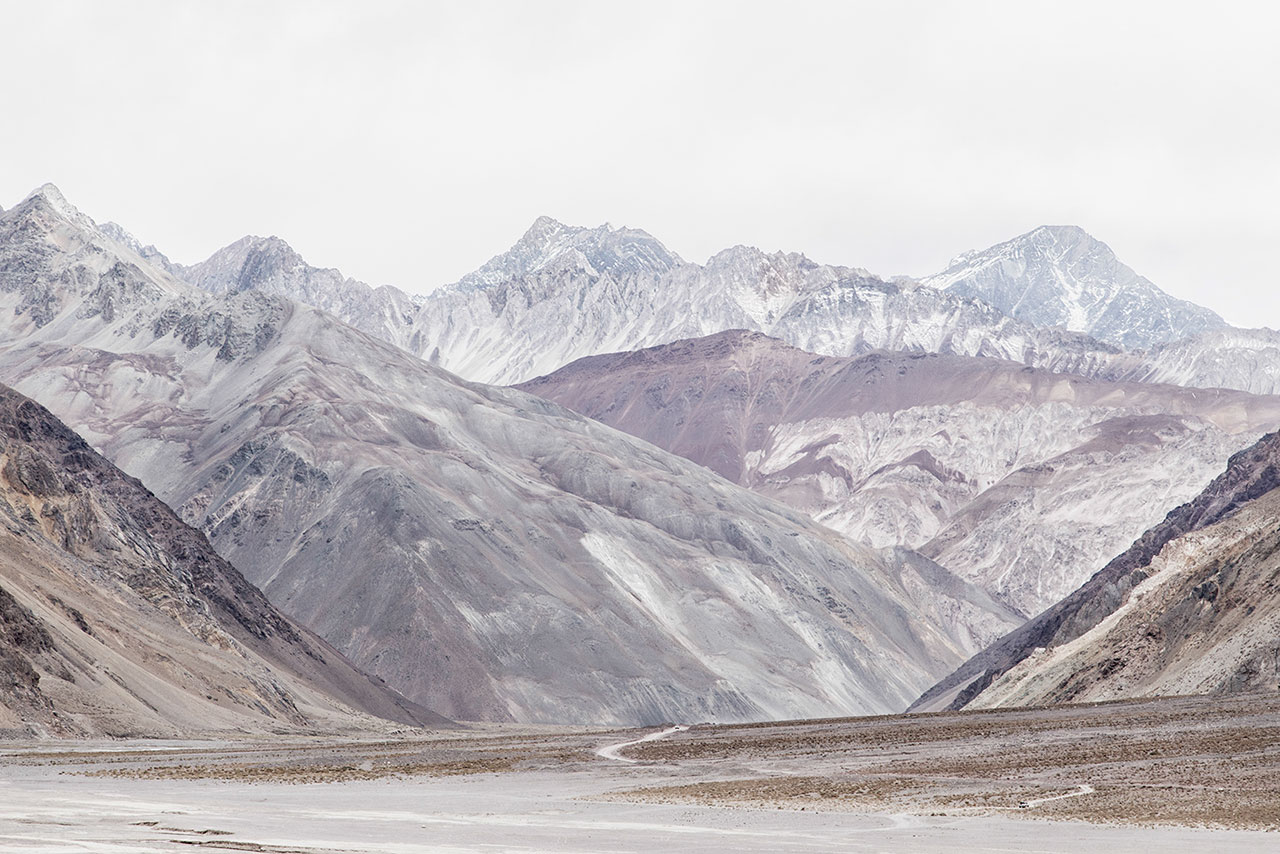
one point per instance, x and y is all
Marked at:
(899, 784)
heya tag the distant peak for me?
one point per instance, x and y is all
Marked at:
(50, 192)
(1074, 230)
(751, 257)
(550, 245)
(543, 227)
(255, 244)
(734, 254)
(1038, 237)
(546, 222)
(1062, 233)
(1059, 235)
(259, 240)
(273, 242)
(53, 198)
(1060, 275)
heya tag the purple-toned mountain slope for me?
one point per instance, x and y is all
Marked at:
(1021, 480)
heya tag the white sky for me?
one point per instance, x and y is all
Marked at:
(406, 143)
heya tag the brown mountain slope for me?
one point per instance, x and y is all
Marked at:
(118, 619)
(1192, 607)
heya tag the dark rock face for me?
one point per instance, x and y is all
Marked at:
(103, 535)
(1250, 475)
(22, 637)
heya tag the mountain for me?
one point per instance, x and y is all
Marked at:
(1193, 606)
(489, 554)
(563, 292)
(271, 266)
(118, 619)
(510, 330)
(1061, 276)
(1021, 481)
(123, 237)
(551, 246)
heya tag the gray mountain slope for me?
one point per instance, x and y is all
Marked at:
(488, 553)
(1247, 359)
(1022, 481)
(118, 619)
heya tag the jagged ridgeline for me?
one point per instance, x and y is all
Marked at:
(1054, 298)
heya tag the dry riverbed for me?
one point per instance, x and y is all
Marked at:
(1170, 775)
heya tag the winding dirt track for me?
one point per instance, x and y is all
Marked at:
(612, 751)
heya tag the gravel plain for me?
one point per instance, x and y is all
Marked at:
(1165, 775)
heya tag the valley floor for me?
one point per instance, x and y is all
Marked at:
(1170, 775)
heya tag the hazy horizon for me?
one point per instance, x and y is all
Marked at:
(406, 144)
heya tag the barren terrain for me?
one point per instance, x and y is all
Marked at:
(1167, 775)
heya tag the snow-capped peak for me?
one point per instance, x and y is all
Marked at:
(121, 235)
(53, 199)
(541, 230)
(1060, 275)
(549, 243)
(255, 263)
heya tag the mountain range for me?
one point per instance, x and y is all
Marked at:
(1054, 298)
(487, 553)
(825, 489)
(562, 292)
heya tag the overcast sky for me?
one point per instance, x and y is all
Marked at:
(406, 143)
